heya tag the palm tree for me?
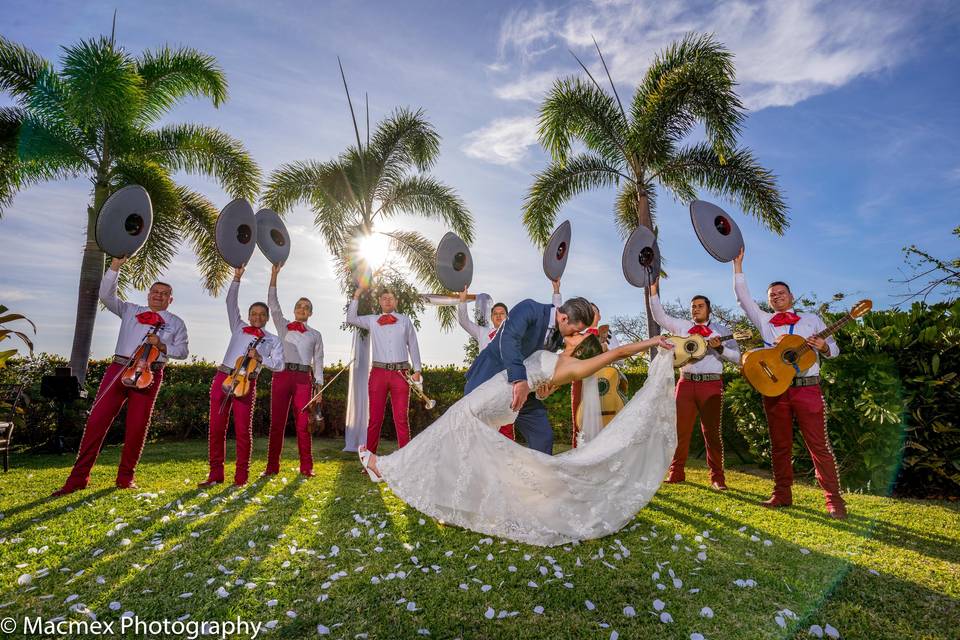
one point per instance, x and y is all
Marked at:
(374, 182)
(95, 117)
(689, 84)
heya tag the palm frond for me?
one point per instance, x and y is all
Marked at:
(406, 138)
(738, 177)
(690, 82)
(169, 75)
(102, 81)
(556, 184)
(198, 220)
(627, 210)
(577, 110)
(203, 150)
(19, 68)
(426, 196)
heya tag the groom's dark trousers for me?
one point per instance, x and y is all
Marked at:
(522, 333)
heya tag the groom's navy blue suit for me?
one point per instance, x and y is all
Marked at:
(522, 333)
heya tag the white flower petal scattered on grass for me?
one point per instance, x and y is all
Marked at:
(589, 605)
(630, 612)
(222, 593)
(489, 613)
(659, 605)
(697, 636)
(186, 595)
(831, 631)
(322, 630)
(115, 606)
(706, 612)
(816, 631)
(666, 618)
(291, 614)
(538, 610)
(423, 632)
(25, 580)
(485, 588)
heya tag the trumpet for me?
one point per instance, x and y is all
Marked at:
(428, 403)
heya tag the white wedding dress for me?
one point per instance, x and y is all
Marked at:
(462, 471)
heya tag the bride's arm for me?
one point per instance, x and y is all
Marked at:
(570, 369)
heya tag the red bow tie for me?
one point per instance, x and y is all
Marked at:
(701, 330)
(297, 326)
(385, 319)
(782, 318)
(150, 317)
(253, 331)
(593, 331)
(491, 334)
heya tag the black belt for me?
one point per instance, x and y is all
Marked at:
(154, 366)
(302, 368)
(807, 381)
(391, 366)
(702, 377)
(227, 370)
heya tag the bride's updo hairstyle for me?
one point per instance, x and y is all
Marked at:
(590, 346)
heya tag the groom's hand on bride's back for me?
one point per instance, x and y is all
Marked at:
(521, 389)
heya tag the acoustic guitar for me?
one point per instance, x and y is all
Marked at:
(691, 348)
(771, 370)
(612, 385)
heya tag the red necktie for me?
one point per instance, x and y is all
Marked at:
(296, 326)
(783, 318)
(700, 329)
(253, 331)
(593, 331)
(150, 317)
(491, 334)
(385, 319)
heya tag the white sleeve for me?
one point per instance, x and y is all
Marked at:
(233, 307)
(413, 346)
(747, 303)
(356, 320)
(729, 350)
(318, 360)
(463, 317)
(273, 303)
(660, 315)
(272, 359)
(108, 292)
(557, 299)
(178, 348)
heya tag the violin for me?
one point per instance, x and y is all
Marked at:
(237, 384)
(139, 370)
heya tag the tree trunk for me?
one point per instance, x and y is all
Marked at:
(653, 329)
(91, 272)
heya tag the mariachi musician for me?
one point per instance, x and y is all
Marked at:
(152, 325)
(803, 399)
(394, 341)
(700, 387)
(301, 378)
(250, 348)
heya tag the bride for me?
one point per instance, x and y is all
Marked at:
(461, 471)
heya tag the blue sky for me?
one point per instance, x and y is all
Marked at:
(853, 106)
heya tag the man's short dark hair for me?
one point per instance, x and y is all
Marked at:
(260, 304)
(500, 304)
(578, 310)
(163, 284)
(704, 298)
(781, 283)
(385, 291)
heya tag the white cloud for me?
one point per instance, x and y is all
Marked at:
(503, 141)
(525, 33)
(531, 88)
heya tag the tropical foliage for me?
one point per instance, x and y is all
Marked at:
(97, 117)
(6, 332)
(646, 145)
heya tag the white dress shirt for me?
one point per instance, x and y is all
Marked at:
(711, 362)
(270, 348)
(485, 335)
(298, 348)
(172, 333)
(808, 325)
(391, 342)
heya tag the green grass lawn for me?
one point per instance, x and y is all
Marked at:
(340, 552)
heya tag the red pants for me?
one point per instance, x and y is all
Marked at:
(705, 398)
(287, 386)
(242, 427)
(806, 404)
(111, 397)
(382, 382)
(576, 397)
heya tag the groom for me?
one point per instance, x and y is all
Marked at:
(531, 326)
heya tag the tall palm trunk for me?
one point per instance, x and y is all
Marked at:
(91, 272)
(653, 329)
